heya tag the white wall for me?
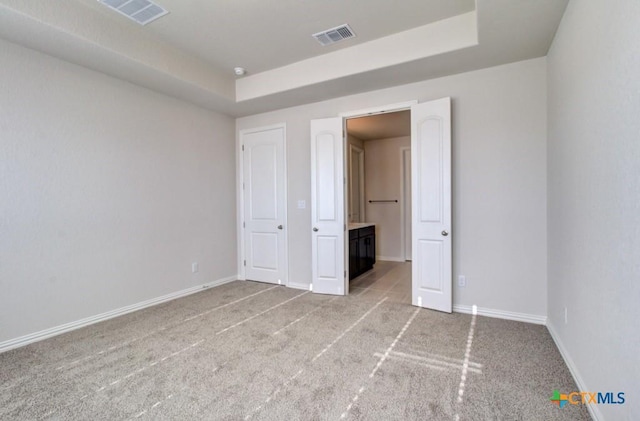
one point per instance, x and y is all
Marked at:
(108, 192)
(594, 197)
(383, 169)
(499, 179)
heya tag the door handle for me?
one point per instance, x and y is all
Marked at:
(444, 233)
(315, 229)
(279, 227)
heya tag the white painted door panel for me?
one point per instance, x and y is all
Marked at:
(264, 205)
(327, 207)
(431, 204)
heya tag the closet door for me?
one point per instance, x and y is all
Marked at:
(263, 178)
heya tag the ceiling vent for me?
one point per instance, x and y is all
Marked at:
(141, 11)
(334, 35)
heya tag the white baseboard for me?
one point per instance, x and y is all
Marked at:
(67, 327)
(389, 259)
(594, 411)
(502, 314)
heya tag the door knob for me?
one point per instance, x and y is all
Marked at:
(279, 227)
(444, 233)
(315, 229)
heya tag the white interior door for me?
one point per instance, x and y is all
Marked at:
(327, 207)
(431, 204)
(265, 253)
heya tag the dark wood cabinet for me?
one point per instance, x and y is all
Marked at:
(362, 250)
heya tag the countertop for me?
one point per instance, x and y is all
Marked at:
(358, 225)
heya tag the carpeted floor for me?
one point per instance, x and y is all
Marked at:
(247, 350)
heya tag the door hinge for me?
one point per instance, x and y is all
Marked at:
(242, 148)
(245, 263)
(243, 225)
(243, 185)
(345, 227)
(345, 274)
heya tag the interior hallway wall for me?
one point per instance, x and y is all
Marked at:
(499, 179)
(108, 193)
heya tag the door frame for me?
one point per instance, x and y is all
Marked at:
(361, 200)
(240, 198)
(403, 200)
(383, 109)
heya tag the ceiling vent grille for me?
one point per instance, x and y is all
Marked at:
(333, 35)
(141, 11)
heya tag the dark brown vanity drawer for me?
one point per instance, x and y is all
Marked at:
(353, 234)
(366, 231)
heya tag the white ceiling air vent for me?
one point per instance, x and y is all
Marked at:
(333, 35)
(141, 11)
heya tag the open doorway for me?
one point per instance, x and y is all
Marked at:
(430, 142)
(378, 197)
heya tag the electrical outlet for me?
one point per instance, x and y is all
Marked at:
(194, 267)
(462, 281)
(566, 316)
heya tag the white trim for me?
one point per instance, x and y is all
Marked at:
(345, 204)
(67, 327)
(403, 198)
(390, 259)
(594, 410)
(502, 314)
(240, 196)
(239, 207)
(286, 202)
(391, 108)
(361, 176)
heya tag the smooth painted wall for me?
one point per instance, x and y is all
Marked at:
(594, 198)
(383, 169)
(499, 179)
(108, 193)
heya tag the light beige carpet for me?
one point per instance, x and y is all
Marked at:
(247, 350)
